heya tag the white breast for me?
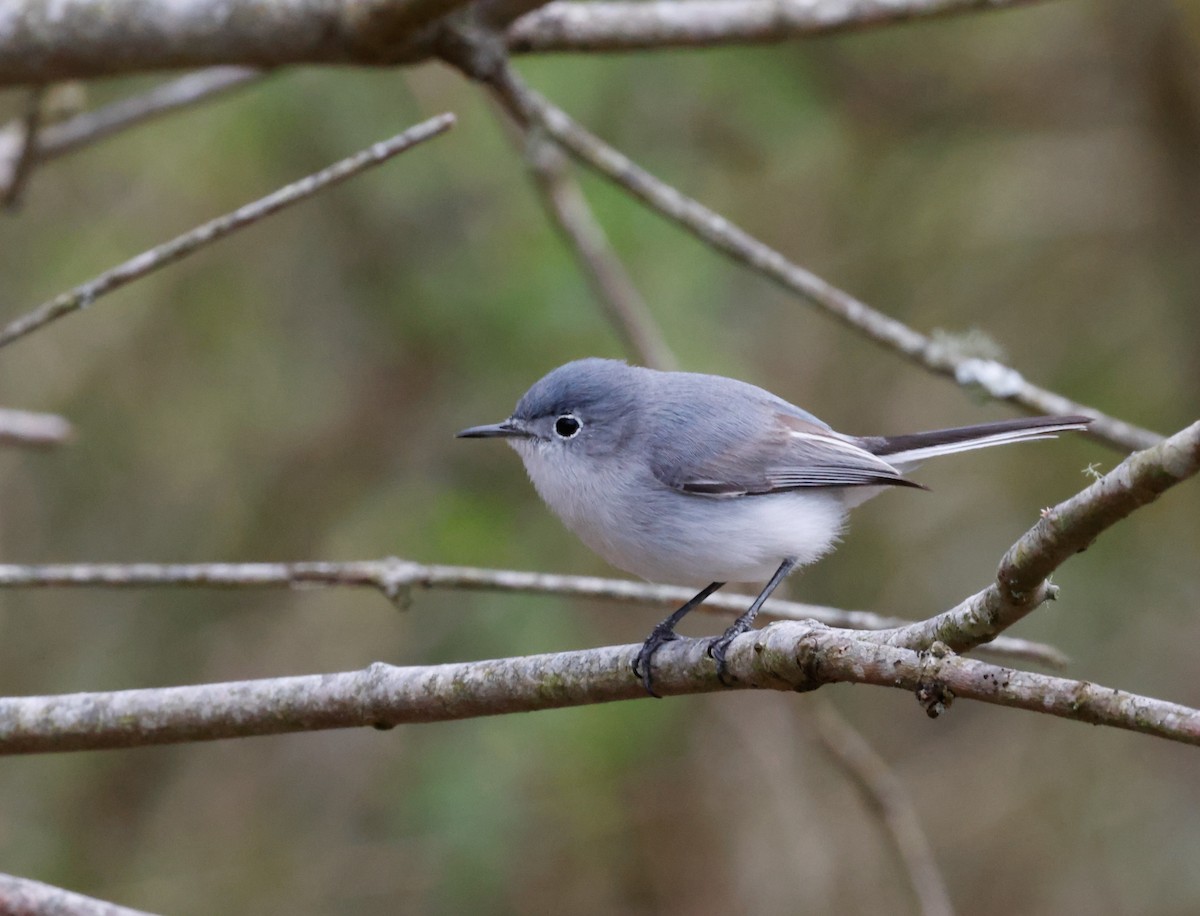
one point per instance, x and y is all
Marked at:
(644, 527)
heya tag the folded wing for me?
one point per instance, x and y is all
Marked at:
(779, 452)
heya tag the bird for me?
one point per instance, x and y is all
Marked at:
(687, 478)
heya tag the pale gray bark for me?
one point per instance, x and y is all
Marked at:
(193, 240)
(25, 897)
(998, 381)
(784, 656)
(34, 430)
(44, 41)
(47, 40)
(396, 579)
(1022, 580)
(630, 26)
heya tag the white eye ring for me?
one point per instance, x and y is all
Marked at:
(567, 426)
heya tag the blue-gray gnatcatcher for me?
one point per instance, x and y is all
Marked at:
(688, 478)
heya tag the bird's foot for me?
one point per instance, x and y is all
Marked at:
(718, 646)
(659, 637)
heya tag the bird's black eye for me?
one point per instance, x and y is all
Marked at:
(567, 426)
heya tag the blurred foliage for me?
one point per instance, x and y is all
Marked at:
(1033, 176)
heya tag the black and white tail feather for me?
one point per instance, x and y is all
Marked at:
(794, 453)
(914, 447)
(681, 477)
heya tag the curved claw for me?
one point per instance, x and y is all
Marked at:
(720, 645)
(658, 637)
(716, 650)
(664, 633)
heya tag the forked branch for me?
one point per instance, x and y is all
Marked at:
(998, 381)
(1070, 527)
(42, 41)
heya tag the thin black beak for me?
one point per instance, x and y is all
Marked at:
(509, 429)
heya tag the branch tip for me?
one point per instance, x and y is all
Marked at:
(148, 261)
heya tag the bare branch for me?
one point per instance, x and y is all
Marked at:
(26, 897)
(166, 98)
(83, 296)
(998, 381)
(43, 41)
(37, 430)
(87, 127)
(887, 798)
(629, 26)
(1021, 582)
(396, 578)
(784, 656)
(568, 209)
(28, 131)
(54, 140)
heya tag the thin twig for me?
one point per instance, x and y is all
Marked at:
(26, 897)
(568, 209)
(58, 139)
(166, 98)
(396, 578)
(27, 154)
(1022, 580)
(36, 430)
(998, 381)
(784, 656)
(613, 25)
(83, 296)
(887, 797)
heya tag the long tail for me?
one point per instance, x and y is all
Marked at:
(899, 450)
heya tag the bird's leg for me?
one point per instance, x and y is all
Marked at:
(720, 645)
(664, 633)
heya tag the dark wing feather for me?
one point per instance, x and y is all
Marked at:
(765, 450)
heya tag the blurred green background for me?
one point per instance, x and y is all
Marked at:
(293, 394)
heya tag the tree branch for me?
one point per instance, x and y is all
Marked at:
(630, 26)
(1070, 527)
(26, 897)
(85, 295)
(784, 656)
(55, 140)
(396, 578)
(37, 430)
(568, 210)
(28, 130)
(996, 380)
(43, 41)
(888, 799)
